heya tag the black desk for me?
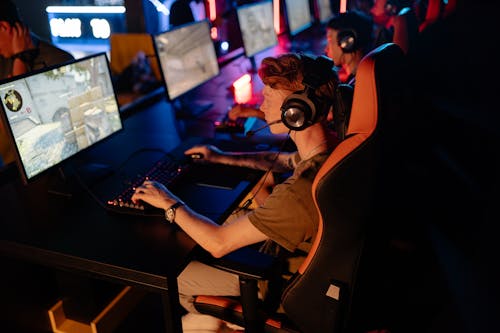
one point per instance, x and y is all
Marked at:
(78, 235)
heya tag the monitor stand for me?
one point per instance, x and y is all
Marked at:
(92, 173)
(63, 183)
(253, 65)
(188, 106)
(58, 183)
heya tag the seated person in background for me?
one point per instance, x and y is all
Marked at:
(349, 37)
(287, 221)
(383, 13)
(21, 51)
(356, 32)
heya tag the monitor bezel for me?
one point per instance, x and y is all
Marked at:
(301, 28)
(3, 117)
(255, 4)
(157, 54)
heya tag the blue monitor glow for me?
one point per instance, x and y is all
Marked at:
(298, 14)
(53, 114)
(187, 57)
(257, 27)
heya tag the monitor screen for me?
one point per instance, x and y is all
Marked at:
(324, 10)
(52, 114)
(298, 15)
(257, 27)
(187, 57)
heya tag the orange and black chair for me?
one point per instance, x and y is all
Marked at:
(341, 286)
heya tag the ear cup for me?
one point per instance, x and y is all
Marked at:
(298, 111)
(302, 108)
(347, 40)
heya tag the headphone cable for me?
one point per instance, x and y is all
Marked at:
(249, 201)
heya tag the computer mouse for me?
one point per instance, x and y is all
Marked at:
(196, 156)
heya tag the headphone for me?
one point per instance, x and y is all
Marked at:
(303, 108)
(347, 40)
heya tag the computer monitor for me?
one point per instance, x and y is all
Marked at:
(257, 28)
(324, 10)
(187, 59)
(298, 14)
(53, 114)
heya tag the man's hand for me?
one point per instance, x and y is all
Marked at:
(155, 194)
(207, 153)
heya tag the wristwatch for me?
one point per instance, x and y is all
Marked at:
(170, 212)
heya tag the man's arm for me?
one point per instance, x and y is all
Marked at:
(216, 239)
(263, 160)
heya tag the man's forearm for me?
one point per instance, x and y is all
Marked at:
(259, 160)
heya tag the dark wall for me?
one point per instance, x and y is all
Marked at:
(33, 13)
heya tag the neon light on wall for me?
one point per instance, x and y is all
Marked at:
(70, 27)
(89, 25)
(343, 6)
(86, 9)
(100, 28)
(212, 10)
(214, 33)
(276, 11)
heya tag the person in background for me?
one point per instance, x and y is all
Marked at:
(287, 221)
(21, 51)
(356, 40)
(383, 13)
(349, 38)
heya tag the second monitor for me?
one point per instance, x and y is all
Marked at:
(298, 14)
(257, 28)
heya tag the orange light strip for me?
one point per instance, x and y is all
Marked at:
(212, 10)
(276, 13)
(343, 6)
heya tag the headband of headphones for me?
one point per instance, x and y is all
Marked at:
(303, 108)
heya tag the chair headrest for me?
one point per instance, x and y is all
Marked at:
(380, 62)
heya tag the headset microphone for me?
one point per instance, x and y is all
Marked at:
(252, 133)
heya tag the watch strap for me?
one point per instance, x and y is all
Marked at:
(171, 210)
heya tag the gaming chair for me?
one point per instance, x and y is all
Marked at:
(333, 288)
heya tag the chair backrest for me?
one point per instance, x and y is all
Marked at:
(433, 14)
(405, 29)
(319, 297)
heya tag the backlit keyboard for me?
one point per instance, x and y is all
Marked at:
(165, 171)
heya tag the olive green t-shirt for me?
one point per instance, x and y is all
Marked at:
(288, 216)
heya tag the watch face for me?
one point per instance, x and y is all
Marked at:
(170, 214)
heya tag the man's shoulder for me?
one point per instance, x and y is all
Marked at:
(50, 54)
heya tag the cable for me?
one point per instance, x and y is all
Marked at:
(84, 185)
(138, 151)
(249, 201)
